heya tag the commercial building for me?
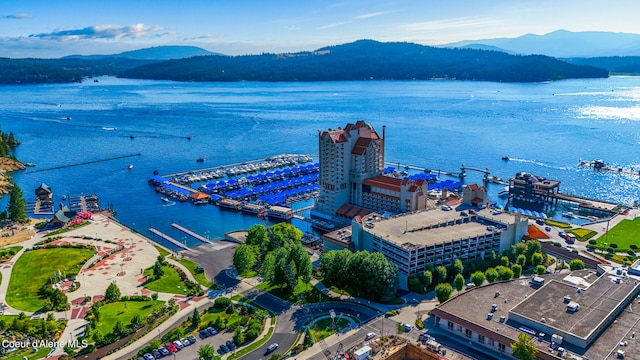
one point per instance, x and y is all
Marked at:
(583, 312)
(347, 157)
(536, 192)
(386, 193)
(415, 240)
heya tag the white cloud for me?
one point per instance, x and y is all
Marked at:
(113, 32)
(438, 25)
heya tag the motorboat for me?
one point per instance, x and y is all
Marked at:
(505, 158)
(129, 167)
(164, 199)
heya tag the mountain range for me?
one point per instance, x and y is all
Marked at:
(561, 44)
(153, 53)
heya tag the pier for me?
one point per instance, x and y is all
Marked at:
(82, 163)
(169, 239)
(191, 233)
(599, 165)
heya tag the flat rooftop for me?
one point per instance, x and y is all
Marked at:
(598, 296)
(410, 228)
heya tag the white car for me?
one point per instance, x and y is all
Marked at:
(370, 336)
(272, 347)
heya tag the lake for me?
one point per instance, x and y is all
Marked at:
(545, 128)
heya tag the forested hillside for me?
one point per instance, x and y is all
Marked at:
(367, 60)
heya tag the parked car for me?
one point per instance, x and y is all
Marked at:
(231, 344)
(163, 350)
(272, 347)
(370, 336)
(406, 327)
(156, 354)
(472, 212)
(224, 349)
(547, 228)
(178, 344)
(192, 339)
(212, 331)
(185, 342)
(148, 356)
(540, 222)
(203, 334)
(171, 347)
(463, 213)
(446, 207)
(561, 234)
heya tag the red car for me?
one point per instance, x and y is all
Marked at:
(171, 347)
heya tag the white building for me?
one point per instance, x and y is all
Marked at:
(347, 157)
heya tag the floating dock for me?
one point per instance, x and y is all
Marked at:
(169, 239)
(191, 233)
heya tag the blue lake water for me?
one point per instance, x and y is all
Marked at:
(546, 127)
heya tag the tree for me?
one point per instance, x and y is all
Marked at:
(17, 207)
(158, 271)
(477, 278)
(524, 348)
(268, 269)
(119, 329)
(259, 237)
(491, 275)
(517, 270)
(244, 258)
(238, 336)
(522, 260)
(536, 259)
(136, 321)
(206, 352)
(440, 274)
(504, 273)
(195, 318)
(541, 269)
(427, 278)
(112, 294)
(459, 282)
(458, 267)
(301, 259)
(443, 292)
(504, 261)
(576, 264)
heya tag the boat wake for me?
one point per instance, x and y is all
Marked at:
(109, 128)
(539, 163)
(170, 203)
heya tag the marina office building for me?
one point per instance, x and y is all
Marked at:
(430, 237)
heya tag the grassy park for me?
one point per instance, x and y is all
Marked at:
(199, 276)
(624, 236)
(170, 281)
(35, 268)
(124, 311)
(323, 328)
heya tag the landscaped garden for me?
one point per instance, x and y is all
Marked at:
(582, 234)
(36, 268)
(7, 253)
(623, 237)
(165, 278)
(324, 327)
(18, 327)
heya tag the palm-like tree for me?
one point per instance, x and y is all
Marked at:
(206, 352)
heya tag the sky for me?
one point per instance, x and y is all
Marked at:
(55, 28)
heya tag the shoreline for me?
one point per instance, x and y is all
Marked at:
(8, 165)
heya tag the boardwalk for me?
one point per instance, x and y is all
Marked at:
(191, 233)
(168, 238)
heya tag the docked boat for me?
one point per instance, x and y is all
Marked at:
(322, 226)
(280, 213)
(164, 199)
(249, 208)
(229, 204)
(568, 214)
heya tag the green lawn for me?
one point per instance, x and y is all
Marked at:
(41, 353)
(625, 234)
(200, 277)
(323, 328)
(582, 234)
(162, 251)
(124, 311)
(169, 282)
(35, 268)
(308, 292)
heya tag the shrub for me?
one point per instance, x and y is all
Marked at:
(419, 324)
(391, 313)
(557, 244)
(611, 250)
(633, 246)
(593, 242)
(541, 269)
(222, 303)
(576, 264)
(613, 245)
(631, 252)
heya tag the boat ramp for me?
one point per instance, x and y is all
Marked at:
(169, 239)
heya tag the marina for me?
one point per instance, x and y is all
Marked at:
(600, 165)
